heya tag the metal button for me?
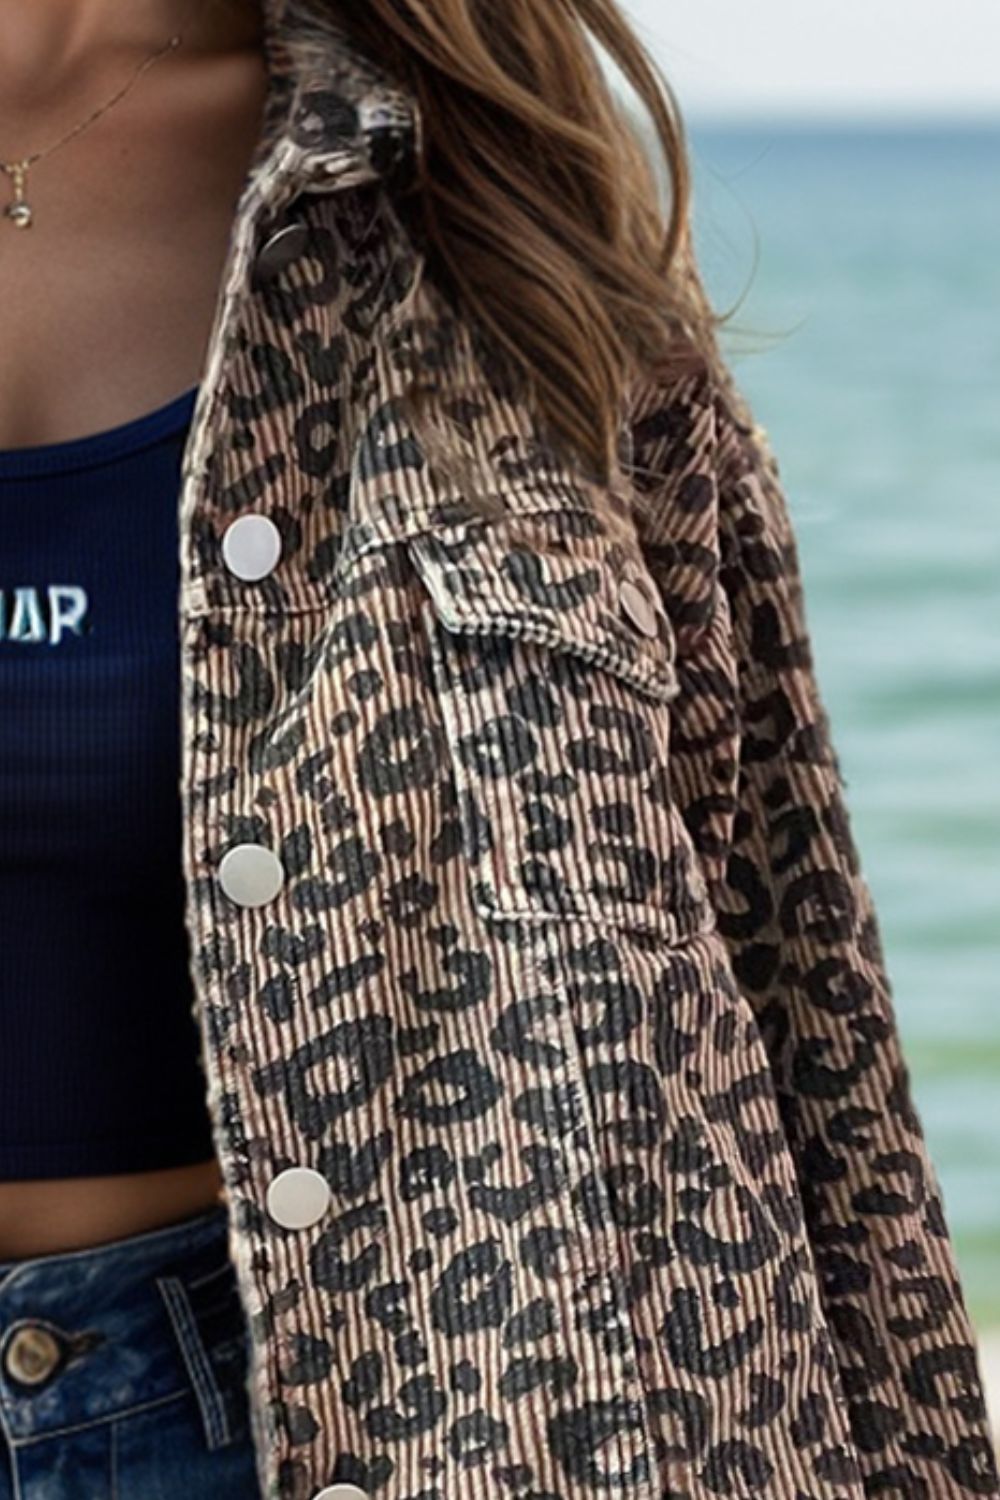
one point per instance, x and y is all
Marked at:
(640, 611)
(340, 1492)
(251, 547)
(32, 1354)
(296, 1198)
(279, 250)
(251, 874)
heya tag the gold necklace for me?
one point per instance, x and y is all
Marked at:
(19, 210)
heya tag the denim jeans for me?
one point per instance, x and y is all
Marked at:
(122, 1370)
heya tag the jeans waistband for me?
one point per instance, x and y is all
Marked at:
(141, 1252)
(131, 1320)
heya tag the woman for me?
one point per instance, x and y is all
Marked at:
(537, 1121)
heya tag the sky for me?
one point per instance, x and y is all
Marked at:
(890, 58)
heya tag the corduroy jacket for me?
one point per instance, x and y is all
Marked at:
(549, 1047)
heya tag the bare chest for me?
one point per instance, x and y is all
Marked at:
(107, 297)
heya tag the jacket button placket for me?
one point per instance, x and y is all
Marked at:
(252, 875)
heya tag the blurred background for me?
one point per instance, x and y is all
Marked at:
(847, 189)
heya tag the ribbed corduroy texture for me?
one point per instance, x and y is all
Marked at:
(572, 991)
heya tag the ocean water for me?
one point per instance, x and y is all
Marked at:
(868, 264)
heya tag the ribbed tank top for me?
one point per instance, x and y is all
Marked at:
(100, 1067)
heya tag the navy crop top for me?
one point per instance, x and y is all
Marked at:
(100, 1066)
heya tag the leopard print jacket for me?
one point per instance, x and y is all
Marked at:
(549, 1047)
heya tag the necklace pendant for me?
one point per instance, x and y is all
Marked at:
(18, 210)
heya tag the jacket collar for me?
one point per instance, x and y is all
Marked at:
(505, 534)
(334, 117)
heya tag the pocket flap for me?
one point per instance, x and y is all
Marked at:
(554, 579)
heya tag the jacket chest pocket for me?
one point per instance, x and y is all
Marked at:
(554, 673)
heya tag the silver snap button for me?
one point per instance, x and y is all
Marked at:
(251, 547)
(251, 874)
(638, 608)
(298, 1197)
(32, 1354)
(340, 1492)
(279, 250)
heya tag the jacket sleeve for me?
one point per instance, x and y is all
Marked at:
(763, 796)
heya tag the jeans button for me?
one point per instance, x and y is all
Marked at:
(32, 1354)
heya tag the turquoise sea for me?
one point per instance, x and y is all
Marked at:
(871, 353)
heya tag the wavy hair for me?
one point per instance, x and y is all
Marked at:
(540, 205)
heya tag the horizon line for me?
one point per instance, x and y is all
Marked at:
(837, 119)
